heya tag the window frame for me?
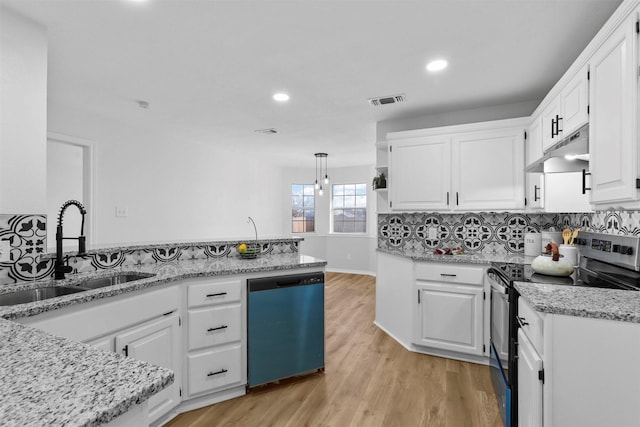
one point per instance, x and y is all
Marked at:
(332, 208)
(303, 209)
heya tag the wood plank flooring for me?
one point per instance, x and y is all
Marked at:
(370, 380)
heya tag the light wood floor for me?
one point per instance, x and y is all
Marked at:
(370, 380)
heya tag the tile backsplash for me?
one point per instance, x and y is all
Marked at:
(490, 232)
(26, 236)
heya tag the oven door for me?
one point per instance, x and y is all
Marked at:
(499, 345)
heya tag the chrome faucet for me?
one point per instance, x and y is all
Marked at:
(60, 268)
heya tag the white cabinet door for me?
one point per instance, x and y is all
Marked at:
(534, 141)
(612, 137)
(551, 133)
(488, 170)
(419, 173)
(564, 193)
(156, 342)
(215, 369)
(535, 190)
(574, 102)
(449, 317)
(530, 386)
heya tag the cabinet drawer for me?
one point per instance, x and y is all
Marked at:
(215, 369)
(531, 323)
(218, 292)
(449, 273)
(214, 326)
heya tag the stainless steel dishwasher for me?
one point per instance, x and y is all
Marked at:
(285, 327)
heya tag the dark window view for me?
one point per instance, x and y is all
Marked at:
(303, 208)
(349, 208)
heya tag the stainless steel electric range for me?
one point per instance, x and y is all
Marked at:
(606, 261)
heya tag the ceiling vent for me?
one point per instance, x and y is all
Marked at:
(268, 131)
(393, 99)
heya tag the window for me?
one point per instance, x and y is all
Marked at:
(303, 208)
(349, 208)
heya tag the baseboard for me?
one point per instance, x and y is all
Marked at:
(399, 341)
(348, 271)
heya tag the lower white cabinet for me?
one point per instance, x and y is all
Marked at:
(216, 335)
(449, 308)
(156, 342)
(530, 386)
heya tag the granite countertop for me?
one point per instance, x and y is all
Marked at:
(164, 272)
(475, 258)
(597, 303)
(47, 380)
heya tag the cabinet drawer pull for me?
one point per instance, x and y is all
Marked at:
(217, 328)
(522, 321)
(221, 371)
(219, 294)
(448, 275)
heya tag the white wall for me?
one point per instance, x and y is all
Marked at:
(349, 253)
(23, 115)
(173, 189)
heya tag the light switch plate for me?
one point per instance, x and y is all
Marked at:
(5, 251)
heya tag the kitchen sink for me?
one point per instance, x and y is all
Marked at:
(118, 279)
(32, 295)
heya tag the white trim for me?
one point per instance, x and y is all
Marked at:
(89, 177)
(348, 271)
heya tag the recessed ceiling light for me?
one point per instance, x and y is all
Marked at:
(281, 97)
(437, 65)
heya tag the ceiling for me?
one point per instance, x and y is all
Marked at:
(209, 68)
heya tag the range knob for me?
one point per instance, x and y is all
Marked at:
(626, 250)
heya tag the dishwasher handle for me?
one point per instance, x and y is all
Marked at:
(288, 281)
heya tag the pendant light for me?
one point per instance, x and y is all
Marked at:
(319, 178)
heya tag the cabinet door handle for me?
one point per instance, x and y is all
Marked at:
(584, 181)
(447, 198)
(219, 294)
(558, 130)
(221, 371)
(448, 275)
(418, 296)
(217, 328)
(535, 193)
(126, 350)
(457, 199)
(553, 126)
(522, 321)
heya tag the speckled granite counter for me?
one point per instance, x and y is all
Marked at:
(49, 381)
(163, 273)
(579, 301)
(477, 258)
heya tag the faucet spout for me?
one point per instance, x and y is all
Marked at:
(60, 267)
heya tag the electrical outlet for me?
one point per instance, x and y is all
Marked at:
(122, 211)
(5, 251)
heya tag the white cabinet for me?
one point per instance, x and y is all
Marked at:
(574, 102)
(534, 141)
(216, 336)
(420, 173)
(613, 134)
(530, 386)
(466, 167)
(565, 193)
(488, 170)
(534, 190)
(567, 111)
(156, 342)
(449, 308)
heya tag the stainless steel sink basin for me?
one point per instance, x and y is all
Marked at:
(102, 282)
(32, 295)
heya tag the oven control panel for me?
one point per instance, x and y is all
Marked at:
(612, 248)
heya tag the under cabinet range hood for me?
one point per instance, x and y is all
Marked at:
(571, 154)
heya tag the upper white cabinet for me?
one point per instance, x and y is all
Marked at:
(613, 135)
(567, 111)
(488, 170)
(420, 173)
(467, 167)
(534, 141)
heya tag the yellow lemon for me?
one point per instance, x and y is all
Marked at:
(242, 248)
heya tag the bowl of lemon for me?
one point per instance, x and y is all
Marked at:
(248, 251)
